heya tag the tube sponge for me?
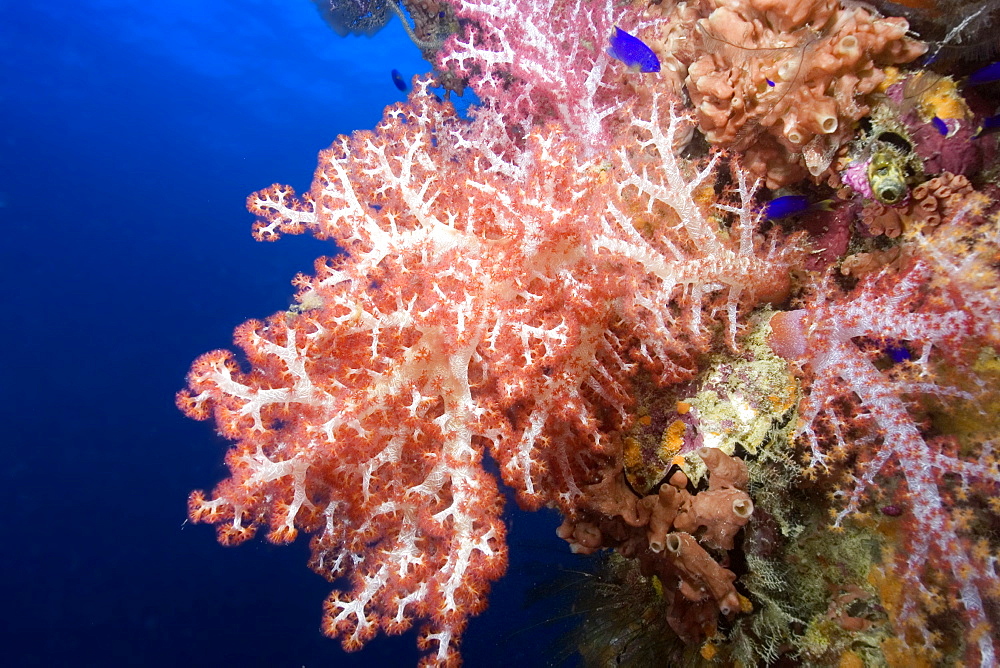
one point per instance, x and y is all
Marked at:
(798, 74)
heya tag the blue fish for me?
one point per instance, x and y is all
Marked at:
(769, 82)
(398, 79)
(940, 125)
(633, 52)
(989, 125)
(984, 75)
(898, 352)
(792, 205)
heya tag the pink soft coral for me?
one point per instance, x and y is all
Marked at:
(856, 408)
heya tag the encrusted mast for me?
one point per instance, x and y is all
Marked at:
(520, 284)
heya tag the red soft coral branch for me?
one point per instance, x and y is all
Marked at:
(473, 311)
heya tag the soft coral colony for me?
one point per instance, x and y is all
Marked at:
(784, 430)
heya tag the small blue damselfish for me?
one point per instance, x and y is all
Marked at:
(398, 79)
(792, 205)
(633, 52)
(984, 75)
(989, 125)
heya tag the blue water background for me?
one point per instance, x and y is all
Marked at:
(131, 134)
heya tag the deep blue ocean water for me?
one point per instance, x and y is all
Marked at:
(131, 134)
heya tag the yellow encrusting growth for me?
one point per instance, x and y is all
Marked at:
(632, 453)
(940, 98)
(673, 439)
